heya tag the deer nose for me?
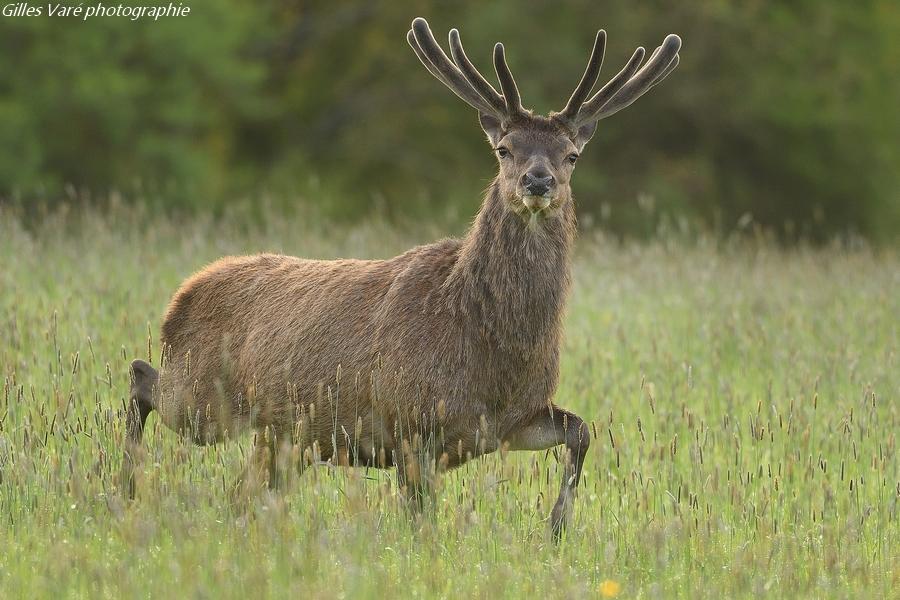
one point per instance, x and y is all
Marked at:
(537, 182)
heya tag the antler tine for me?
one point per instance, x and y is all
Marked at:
(474, 77)
(440, 76)
(591, 73)
(438, 64)
(507, 83)
(628, 85)
(411, 39)
(596, 102)
(669, 69)
(650, 74)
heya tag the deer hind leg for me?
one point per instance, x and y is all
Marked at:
(141, 401)
(552, 428)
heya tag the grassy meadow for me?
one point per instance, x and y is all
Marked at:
(745, 400)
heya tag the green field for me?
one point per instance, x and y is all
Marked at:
(744, 398)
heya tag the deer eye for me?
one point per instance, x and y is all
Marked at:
(503, 152)
(572, 158)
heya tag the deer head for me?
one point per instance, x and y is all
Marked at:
(537, 154)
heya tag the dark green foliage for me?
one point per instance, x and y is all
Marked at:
(109, 103)
(779, 114)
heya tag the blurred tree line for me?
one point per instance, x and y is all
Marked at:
(781, 114)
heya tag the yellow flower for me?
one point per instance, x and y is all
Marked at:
(610, 588)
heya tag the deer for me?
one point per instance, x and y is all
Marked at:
(457, 343)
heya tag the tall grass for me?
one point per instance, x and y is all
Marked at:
(743, 397)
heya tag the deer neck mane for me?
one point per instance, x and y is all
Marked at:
(510, 281)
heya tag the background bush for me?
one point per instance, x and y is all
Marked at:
(780, 114)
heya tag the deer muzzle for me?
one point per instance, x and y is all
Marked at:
(536, 203)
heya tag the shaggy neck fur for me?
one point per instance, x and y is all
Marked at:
(510, 280)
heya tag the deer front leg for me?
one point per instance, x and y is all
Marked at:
(549, 428)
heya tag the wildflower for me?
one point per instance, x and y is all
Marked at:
(610, 588)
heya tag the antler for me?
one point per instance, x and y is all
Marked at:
(461, 76)
(627, 86)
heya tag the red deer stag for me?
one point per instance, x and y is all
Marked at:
(456, 342)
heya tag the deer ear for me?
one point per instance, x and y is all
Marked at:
(584, 135)
(492, 127)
